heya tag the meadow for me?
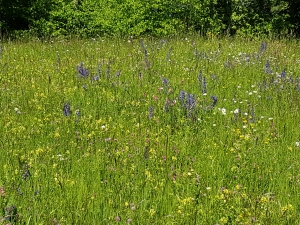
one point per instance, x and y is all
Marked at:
(182, 130)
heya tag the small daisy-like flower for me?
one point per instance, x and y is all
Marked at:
(223, 110)
(236, 111)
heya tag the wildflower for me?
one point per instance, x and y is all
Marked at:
(132, 206)
(297, 143)
(268, 68)
(117, 218)
(165, 82)
(167, 104)
(283, 74)
(182, 97)
(82, 72)
(2, 192)
(223, 111)
(264, 199)
(67, 109)
(118, 73)
(223, 220)
(190, 100)
(77, 113)
(96, 78)
(262, 48)
(288, 207)
(151, 109)
(227, 64)
(56, 135)
(204, 84)
(108, 72)
(215, 100)
(17, 110)
(26, 172)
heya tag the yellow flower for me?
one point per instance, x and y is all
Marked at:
(56, 135)
(264, 200)
(223, 220)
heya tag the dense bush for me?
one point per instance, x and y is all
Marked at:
(155, 17)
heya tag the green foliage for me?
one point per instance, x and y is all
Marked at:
(87, 18)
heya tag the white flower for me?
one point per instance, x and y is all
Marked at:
(223, 110)
(236, 111)
(297, 143)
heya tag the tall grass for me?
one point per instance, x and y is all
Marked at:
(168, 131)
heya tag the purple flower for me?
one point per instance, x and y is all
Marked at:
(26, 173)
(165, 82)
(118, 73)
(200, 77)
(268, 68)
(204, 85)
(215, 100)
(151, 110)
(82, 72)
(108, 72)
(283, 74)
(67, 109)
(182, 97)
(96, 78)
(167, 105)
(190, 100)
(262, 48)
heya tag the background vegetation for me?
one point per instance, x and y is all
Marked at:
(87, 18)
